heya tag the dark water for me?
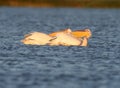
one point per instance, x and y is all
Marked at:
(24, 66)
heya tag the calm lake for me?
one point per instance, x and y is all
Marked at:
(26, 66)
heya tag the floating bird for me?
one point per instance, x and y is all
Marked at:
(36, 38)
(64, 37)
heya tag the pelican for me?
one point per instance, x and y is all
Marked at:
(36, 38)
(81, 35)
(62, 38)
(65, 37)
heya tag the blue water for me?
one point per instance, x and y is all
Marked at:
(25, 66)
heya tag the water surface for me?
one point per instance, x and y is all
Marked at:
(25, 66)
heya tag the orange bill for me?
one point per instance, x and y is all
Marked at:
(82, 33)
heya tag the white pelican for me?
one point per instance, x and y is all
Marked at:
(65, 37)
(67, 40)
(69, 36)
(36, 38)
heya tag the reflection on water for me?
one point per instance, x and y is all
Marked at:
(25, 66)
